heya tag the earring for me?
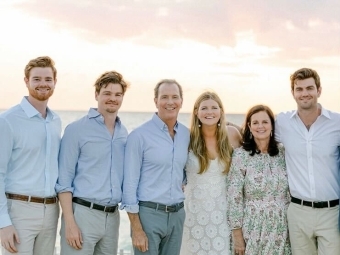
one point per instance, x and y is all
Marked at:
(219, 124)
(199, 125)
(251, 136)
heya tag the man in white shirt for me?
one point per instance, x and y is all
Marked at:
(311, 136)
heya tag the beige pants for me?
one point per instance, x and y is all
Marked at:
(313, 231)
(36, 225)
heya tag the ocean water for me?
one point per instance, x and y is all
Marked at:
(131, 120)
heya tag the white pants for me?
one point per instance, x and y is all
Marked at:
(36, 225)
(313, 231)
(100, 232)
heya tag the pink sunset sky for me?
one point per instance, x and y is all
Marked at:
(244, 50)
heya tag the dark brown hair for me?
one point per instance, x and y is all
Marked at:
(249, 142)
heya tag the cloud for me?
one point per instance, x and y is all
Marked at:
(299, 29)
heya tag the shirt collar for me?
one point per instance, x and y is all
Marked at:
(160, 123)
(31, 111)
(324, 112)
(93, 113)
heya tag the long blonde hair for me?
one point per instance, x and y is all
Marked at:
(197, 143)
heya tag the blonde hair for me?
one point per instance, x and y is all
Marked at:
(197, 144)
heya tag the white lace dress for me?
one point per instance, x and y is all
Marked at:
(205, 228)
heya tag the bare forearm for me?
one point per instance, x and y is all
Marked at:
(66, 205)
(135, 221)
(139, 238)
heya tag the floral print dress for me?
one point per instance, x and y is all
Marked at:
(258, 198)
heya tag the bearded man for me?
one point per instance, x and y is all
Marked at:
(29, 146)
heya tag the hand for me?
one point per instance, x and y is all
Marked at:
(8, 235)
(73, 235)
(140, 240)
(238, 242)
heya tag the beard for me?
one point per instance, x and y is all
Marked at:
(112, 110)
(41, 96)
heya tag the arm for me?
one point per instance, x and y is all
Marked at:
(8, 233)
(278, 128)
(132, 171)
(234, 136)
(72, 232)
(230, 124)
(139, 238)
(235, 200)
(282, 159)
(238, 241)
(68, 159)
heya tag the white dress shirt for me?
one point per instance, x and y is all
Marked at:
(312, 156)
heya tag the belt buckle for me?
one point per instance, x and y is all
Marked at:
(105, 207)
(166, 209)
(315, 204)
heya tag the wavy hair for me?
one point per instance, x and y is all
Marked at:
(197, 144)
(44, 61)
(110, 77)
(249, 143)
(305, 73)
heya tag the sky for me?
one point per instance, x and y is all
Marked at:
(244, 50)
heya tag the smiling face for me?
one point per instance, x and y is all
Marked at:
(306, 94)
(168, 102)
(260, 126)
(109, 98)
(40, 83)
(209, 112)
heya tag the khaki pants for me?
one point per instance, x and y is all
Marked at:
(36, 225)
(313, 231)
(100, 232)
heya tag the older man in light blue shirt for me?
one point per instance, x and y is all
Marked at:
(155, 156)
(29, 146)
(91, 173)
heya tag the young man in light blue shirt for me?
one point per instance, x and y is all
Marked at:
(91, 173)
(155, 156)
(29, 146)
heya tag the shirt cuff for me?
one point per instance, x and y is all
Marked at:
(5, 220)
(62, 189)
(130, 208)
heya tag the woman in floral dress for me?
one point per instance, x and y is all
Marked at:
(257, 189)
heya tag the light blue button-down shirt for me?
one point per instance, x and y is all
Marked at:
(29, 146)
(154, 164)
(91, 160)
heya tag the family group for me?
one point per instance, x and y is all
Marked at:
(270, 187)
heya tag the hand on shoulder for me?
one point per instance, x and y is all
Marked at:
(235, 137)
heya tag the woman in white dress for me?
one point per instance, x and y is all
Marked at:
(211, 145)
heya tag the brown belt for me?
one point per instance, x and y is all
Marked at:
(41, 200)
